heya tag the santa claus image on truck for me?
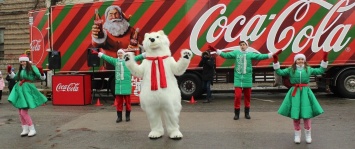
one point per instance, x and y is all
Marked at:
(113, 34)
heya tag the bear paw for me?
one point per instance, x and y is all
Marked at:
(128, 56)
(154, 135)
(176, 135)
(187, 54)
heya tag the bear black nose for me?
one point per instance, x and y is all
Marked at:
(152, 39)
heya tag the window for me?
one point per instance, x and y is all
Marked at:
(2, 43)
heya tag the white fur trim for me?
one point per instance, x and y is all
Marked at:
(143, 54)
(122, 70)
(270, 55)
(121, 50)
(219, 52)
(23, 58)
(43, 77)
(299, 55)
(246, 42)
(324, 64)
(101, 40)
(276, 65)
(100, 54)
(245, 63)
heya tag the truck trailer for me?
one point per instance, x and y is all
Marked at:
(295, 26)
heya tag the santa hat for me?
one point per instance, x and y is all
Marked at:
(297, 56)
(121, 51)
(246, 42)
(119, 11)
(23, 57)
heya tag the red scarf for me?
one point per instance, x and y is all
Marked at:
(153, 77)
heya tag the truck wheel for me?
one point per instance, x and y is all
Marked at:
(190, 85)
(346, 84)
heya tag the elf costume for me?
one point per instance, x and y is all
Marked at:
(25, 95)
(243, 74)
(123, 85)
(300, 102)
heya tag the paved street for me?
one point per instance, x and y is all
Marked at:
(203, 126)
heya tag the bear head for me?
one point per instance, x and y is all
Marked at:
(156, 44)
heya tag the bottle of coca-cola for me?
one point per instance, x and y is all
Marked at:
(134, 38)
(98, 21)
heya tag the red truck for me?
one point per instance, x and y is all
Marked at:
(297, 26)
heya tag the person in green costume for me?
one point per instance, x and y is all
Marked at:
(25, 95)
(123, 85)
(243, 74)
(300, 102)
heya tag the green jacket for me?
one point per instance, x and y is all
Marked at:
(243, 69)
(123, 84)
(27, 95)
(304, 104)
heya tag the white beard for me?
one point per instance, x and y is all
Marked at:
(115, 27)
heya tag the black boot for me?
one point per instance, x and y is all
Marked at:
(206, 101)
(246, 111)
(128, 113)
(119, 116)
(236, 114)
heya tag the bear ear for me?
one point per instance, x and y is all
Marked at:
(161, 32)
(146, 34)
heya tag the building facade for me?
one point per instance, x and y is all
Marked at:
(14, 27)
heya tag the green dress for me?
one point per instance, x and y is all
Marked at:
(123, 83)
(27, 95)
(304, 104)
(243, 69)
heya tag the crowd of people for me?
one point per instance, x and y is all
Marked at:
(299, 103)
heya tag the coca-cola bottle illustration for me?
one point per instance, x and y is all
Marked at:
(98, 22)
(134, 38)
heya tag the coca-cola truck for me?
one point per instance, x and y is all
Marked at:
(296, 26)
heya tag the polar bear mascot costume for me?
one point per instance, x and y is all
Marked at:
(160, 94)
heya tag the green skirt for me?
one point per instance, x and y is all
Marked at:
(303, 105)
(26, 96)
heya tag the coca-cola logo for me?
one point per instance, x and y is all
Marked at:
(36, 45)
(336, 37)
(72, 87)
